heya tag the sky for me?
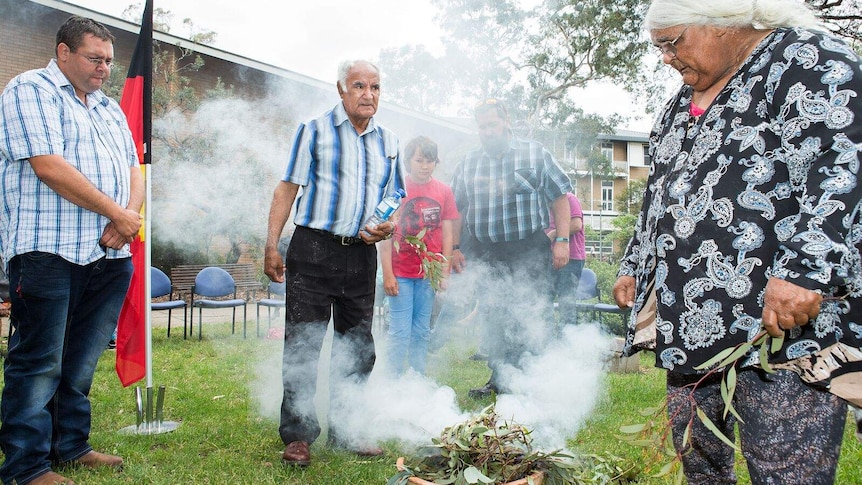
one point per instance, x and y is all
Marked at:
(312, 37)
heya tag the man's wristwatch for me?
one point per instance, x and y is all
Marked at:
(456, 247)
(561, 239)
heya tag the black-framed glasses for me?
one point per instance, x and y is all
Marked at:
(97, 61)
(668, 48)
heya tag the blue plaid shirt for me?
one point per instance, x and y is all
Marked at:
(507, 199)
(40, 115)
(343, 175)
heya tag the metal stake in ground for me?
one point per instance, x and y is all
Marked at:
(146, 422)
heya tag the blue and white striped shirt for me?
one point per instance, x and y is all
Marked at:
(343, 175)
(507, 199)
(40, 115)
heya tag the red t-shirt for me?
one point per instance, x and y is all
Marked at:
(426, 205)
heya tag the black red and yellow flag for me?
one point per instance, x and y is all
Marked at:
(136, 103)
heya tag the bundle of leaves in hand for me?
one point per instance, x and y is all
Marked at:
(488, 450)
(654, 435)
(433, 264)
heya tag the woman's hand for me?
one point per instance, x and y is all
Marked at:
(624, 292)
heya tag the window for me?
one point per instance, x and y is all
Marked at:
(607, 195)
(608, 151)
(646, 154)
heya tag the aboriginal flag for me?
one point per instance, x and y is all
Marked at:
(136, 103)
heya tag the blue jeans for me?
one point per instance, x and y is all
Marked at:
(63, 315)
(410, 325)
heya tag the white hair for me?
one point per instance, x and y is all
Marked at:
(758, 14)
(345, 67)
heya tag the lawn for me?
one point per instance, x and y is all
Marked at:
(228, 430)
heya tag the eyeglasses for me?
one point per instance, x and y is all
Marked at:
(668, 48)
(97, 61)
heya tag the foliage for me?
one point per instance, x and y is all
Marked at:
(531, 57)
(488, 449)
(844, 17)
(169, 254)
(629, 204)
(433, 264)
(655, 433)
(631, 199)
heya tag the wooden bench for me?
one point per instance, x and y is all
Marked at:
(244, 276)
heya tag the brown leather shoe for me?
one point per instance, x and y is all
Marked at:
(50, 478)
(296, 454)
(94, 459)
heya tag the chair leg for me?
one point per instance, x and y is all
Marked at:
(184, 323)
(169, 323)
(233, 322)
(258, 320)
(244, 319)
(200, 320)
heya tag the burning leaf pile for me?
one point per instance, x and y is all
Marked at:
(486, 449)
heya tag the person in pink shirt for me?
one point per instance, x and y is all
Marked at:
(566, 279)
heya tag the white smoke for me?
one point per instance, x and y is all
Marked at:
(552, 392)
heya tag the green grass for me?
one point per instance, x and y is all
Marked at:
(222, 437)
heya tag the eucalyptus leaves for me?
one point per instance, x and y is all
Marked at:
(433, 264)
(489, 450)
(654, 434)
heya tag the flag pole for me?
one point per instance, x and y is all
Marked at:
(147, 421)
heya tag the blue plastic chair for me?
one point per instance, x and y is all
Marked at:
(160, 285)
(588, 297)
(275, 298)
(213, 282)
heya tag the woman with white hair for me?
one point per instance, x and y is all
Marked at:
(752, 222)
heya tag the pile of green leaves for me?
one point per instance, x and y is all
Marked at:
(486, 449)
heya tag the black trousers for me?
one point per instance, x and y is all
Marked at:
(324, 279)
(515, 299)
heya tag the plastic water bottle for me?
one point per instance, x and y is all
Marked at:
(385, 209)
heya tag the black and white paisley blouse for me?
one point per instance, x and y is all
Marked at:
(764, 183)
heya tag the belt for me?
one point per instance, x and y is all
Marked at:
(343, 240)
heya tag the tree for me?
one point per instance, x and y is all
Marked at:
(629, 204)
(532, 58)
(843, 16)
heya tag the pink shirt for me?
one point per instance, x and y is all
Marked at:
(577, 242)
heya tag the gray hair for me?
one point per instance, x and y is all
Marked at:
(345, 67)
(757, 14)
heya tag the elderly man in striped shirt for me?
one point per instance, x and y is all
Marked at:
(504, 191)
(71, 194)
(341, 165)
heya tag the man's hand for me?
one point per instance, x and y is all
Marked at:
(786, 306)
(111, 238)
(127, 223)
(560, 251)
(624, 292)
(273, 265)
(373, 235)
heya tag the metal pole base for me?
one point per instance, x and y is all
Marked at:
(151, 428)
(146, 423)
